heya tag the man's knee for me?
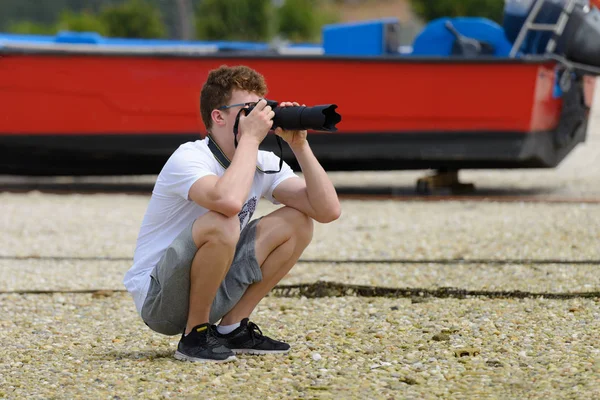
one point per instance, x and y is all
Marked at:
(216, 228)
(302, 224)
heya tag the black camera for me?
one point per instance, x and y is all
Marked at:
(317, 118)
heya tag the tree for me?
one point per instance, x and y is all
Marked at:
(46, 12)
(300, 20)
(235, 20)
(81, 22)
(30, 28)
(432, 9)
(116, 18)
(133, 19)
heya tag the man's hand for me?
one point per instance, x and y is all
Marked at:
(258, 123)
(314, 194)
(293, 138)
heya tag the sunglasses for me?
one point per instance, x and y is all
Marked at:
(252, 103)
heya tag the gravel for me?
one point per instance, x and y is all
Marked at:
(37, 225)
(75, 229)
(88, 345)
(41, 275)
(80, 346)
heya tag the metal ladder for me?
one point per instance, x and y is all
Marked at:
(557, 28)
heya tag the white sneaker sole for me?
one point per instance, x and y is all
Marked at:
(184, 357)
(259, 352)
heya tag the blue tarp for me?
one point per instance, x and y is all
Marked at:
(436, 40)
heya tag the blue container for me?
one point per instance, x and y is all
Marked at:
(365, 38)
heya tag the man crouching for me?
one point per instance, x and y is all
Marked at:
(199, 259)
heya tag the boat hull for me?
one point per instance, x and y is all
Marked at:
(97, 114)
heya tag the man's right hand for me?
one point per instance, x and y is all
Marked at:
(257, 124)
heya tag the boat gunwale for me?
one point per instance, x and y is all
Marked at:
(178, 52)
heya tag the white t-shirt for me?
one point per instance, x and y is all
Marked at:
(171, 210)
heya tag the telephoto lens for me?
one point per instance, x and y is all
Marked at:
(317, 118)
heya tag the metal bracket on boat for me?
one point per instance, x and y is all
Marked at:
(565, 80)
(573, 66)
(443, 179)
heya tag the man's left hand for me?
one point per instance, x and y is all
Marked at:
(293, 138)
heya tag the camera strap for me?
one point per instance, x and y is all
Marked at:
(235, 132)
(225, 162)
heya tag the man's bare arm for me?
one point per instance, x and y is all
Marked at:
(314, 195)
(228, 193)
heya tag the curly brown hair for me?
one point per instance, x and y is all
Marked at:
(217, 90)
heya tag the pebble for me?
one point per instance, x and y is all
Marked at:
(439, 337)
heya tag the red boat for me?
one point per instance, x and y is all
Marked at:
(122, 107)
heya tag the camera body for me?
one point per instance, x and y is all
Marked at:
(317, 118)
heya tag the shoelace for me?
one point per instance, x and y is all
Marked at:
(212, 341)
(255, 332)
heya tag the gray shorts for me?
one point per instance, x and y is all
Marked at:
(166, 306)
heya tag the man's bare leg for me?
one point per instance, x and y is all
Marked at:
(281, 238)
(216, 237)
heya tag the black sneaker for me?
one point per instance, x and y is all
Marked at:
(201, 345)
(248, 339)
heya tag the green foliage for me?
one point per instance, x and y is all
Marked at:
(247, 20)
(44, 12)
(432, 9)
(297, 20)
(250, 20)
(68, 21)
(301, 20)
(259, 20)
(30, 28)
(133, 19)
(81, 22)
(326, 16)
